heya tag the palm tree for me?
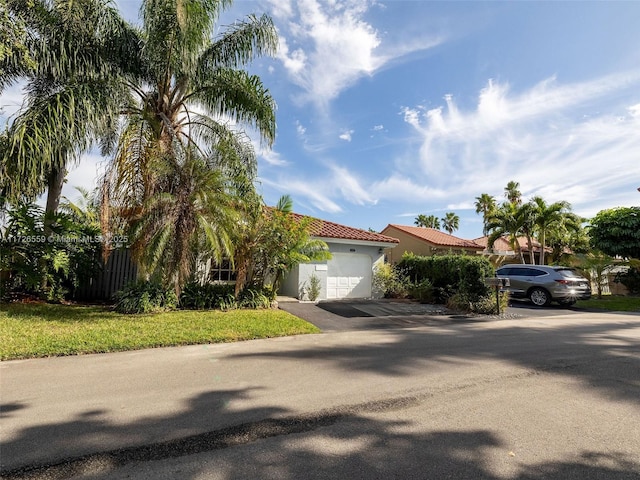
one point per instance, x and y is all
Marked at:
(485, 204)
(76, 52)
(178, 125)
(526, 217)
(546, 217)
(450, 222)
(512, 192)
(506, 221)
(427, 221)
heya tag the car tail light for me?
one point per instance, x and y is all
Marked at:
(564, 282)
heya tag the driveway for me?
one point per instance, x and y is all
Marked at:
(351, 315)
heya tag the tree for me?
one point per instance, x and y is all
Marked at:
(546, 217)
(485, 204)
(512, 193)
(177, 128)
(430, 221)
(567, 237)
(526, 216)
(275, 242)
(616, 232)
(450, 222)
(76, 52)
(506, 221)
(593, 266)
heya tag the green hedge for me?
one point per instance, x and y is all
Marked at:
(449, 274)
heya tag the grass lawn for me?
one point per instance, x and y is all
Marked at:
(35, 330)
(613, 303)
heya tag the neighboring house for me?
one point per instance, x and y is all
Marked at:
(426, 241)
(349, 273)
(503, 253)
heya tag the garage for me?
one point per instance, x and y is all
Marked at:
(349, 276)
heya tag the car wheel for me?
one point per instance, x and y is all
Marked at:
(539, 297)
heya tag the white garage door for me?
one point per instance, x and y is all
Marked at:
(349, 276)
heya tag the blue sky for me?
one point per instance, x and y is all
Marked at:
(390, 109)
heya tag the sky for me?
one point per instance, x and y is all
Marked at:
(391, 109)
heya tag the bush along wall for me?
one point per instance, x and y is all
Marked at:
(450, 274)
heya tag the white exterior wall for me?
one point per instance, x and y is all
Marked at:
(296, 279)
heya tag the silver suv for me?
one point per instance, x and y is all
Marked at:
(543, 284)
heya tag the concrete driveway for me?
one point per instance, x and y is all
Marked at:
(361, 314)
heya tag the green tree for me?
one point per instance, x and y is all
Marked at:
(506, 221)
(616, 232)
(450, 222)
(176, 142)
(512, 193)
(427, 221)
(485, 204)
(277, 241)
(76, 53)
(594, 266)
(568, 237)
(546, 218)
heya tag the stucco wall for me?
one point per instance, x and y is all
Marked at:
(296, 279)
(408, 243)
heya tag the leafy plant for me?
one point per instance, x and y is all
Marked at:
(253, 298)
(145, 297)
(315, 287)
(390, 281)
(209, 296)
(423, 291)
(486, 304)
(630, 279)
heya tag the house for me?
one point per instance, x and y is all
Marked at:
(349, 273)
(425, 242)
(502, 252)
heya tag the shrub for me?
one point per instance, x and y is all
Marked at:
(208, 296)
(255, 298)
(486, 304)
(449, 274)
(423, 291)
(390, 281)
(314, 288)
(630, 279)
(145, 297)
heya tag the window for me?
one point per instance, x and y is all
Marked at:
(222, 272)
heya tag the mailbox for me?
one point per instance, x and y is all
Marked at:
(497, 282)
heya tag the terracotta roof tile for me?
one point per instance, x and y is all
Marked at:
(436, 237)
(324, 229)
(502, 244)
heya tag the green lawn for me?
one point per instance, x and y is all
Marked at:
(34, 330)
(613, 303)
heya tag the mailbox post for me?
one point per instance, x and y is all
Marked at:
(497, 283)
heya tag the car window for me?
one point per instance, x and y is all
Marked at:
(504, 271)
(536, 273)
(567, 272)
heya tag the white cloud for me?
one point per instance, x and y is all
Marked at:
(349, 186)
(335, 46)
(346, 135)
(378, 128)
(553, 139)
(300, 129)
(10, 102)
(272, 157)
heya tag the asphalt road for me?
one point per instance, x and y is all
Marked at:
(549, 397)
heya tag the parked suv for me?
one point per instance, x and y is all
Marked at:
(543, 284)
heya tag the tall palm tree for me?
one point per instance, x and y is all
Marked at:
(450, 222)
(191, 90)
(427, 221)
(526, 215)
(485, 204)
(512, 192)
(506, 221)
(76, 52)
(546, 217)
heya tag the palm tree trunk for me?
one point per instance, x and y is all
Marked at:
(55, 182)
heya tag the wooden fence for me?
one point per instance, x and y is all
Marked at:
(118, 271)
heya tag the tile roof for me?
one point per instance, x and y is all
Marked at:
(502, 244)
(324, 229)
(436, 237)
